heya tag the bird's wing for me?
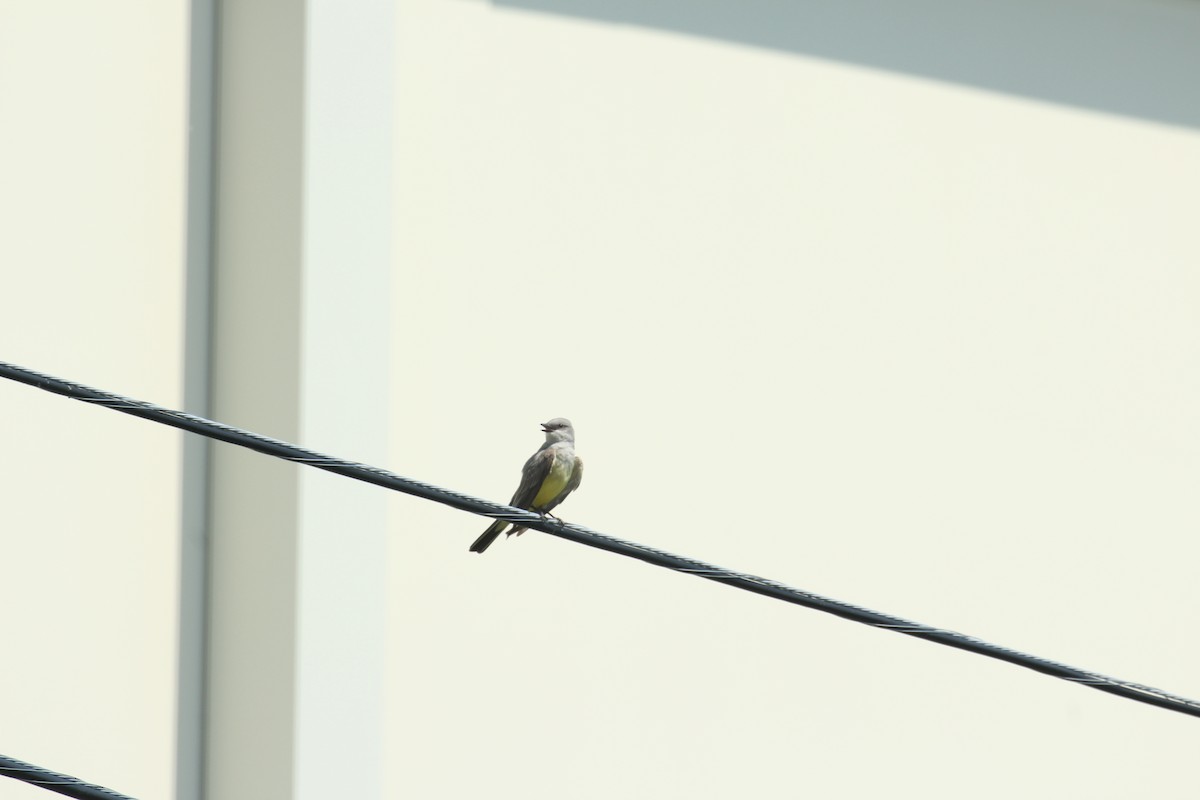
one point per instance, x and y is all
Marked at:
(534, 473)
(576, 477)
(572, 485)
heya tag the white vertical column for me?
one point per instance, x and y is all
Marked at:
(303, 218)
(344, 386)
(191, 689)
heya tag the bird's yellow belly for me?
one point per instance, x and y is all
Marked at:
(556, 481)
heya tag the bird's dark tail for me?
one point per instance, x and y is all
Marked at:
(487, 537)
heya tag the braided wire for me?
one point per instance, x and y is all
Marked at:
(56, 781)
(582, 535)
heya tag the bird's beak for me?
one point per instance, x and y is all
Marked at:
(544, 428)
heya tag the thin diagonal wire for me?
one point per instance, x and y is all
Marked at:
(582, 535)
(56, 781)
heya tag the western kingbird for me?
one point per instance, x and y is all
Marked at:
(550, 474)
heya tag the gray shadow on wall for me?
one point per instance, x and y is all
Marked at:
(1139, 58)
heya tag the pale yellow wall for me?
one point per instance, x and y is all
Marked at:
(92, 144)
(906, 342)
(903, 341)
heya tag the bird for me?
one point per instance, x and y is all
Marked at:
(550, 474)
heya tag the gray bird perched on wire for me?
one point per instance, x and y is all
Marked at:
(550, 474)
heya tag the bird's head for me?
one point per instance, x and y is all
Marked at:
(558, 430)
